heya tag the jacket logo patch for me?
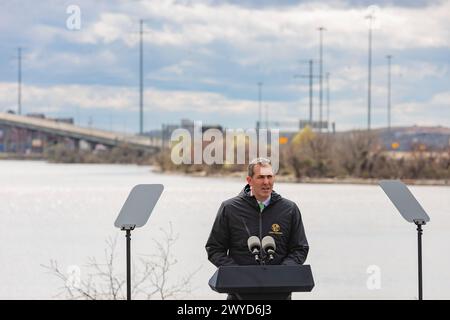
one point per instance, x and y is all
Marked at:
(276, 229)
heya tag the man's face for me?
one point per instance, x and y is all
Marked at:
(262, 181)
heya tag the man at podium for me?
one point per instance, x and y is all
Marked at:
(257, 211)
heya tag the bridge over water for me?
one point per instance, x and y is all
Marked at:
(18, 133)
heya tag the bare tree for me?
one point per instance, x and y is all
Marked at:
(354, 152)
(150, 276)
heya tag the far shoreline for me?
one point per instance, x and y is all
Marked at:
(241, 176)
(307, 180)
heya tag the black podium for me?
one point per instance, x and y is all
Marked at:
(262, 282)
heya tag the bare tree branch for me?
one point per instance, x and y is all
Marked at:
(150, 276)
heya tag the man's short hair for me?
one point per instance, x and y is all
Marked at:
(257, 161)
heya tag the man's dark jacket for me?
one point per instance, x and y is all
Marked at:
(240, 217)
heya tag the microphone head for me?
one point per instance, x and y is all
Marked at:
(268, 243)
(253, 243)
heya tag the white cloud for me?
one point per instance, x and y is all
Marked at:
(54, 98)
(404, 78)
(348, 113)
(171, 23)
(191, 39)
(442, 99)
(171, 71)
(352, 113)
(44, 99)
(110, 27)
(418, 70)
(199, 102)
(417, 27)
(295, 26)
(434, 111)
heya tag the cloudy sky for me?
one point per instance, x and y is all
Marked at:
(203, 60)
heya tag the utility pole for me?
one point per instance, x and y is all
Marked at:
(389, 57)
(259, 106)
(141, 77)
(369, 80)
(267, 116)
(110, 121)
(19, 81)
(321, 29)
(310, 92)
(328, 101)
(310, 76)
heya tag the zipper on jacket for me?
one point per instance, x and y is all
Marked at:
(260, 235)
(260, 224)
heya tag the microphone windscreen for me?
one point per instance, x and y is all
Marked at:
(268, 243)
(253, 242)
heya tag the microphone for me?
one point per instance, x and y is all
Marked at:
(254, 245)
(269, 246)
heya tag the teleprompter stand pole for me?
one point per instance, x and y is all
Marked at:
(419, 224)
(128, 237)
(411, 211)
(134, 214)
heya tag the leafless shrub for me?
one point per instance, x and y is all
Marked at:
(103, 281)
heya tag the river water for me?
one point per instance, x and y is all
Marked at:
(360, 246)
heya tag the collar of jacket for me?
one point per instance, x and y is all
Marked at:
(246, 195)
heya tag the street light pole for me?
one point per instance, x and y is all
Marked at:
(141, 77)
(321, 29)
(310, 93)
(19, 82)
(389, 57)
(259, 105)
(328, 101)
(369, 80)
